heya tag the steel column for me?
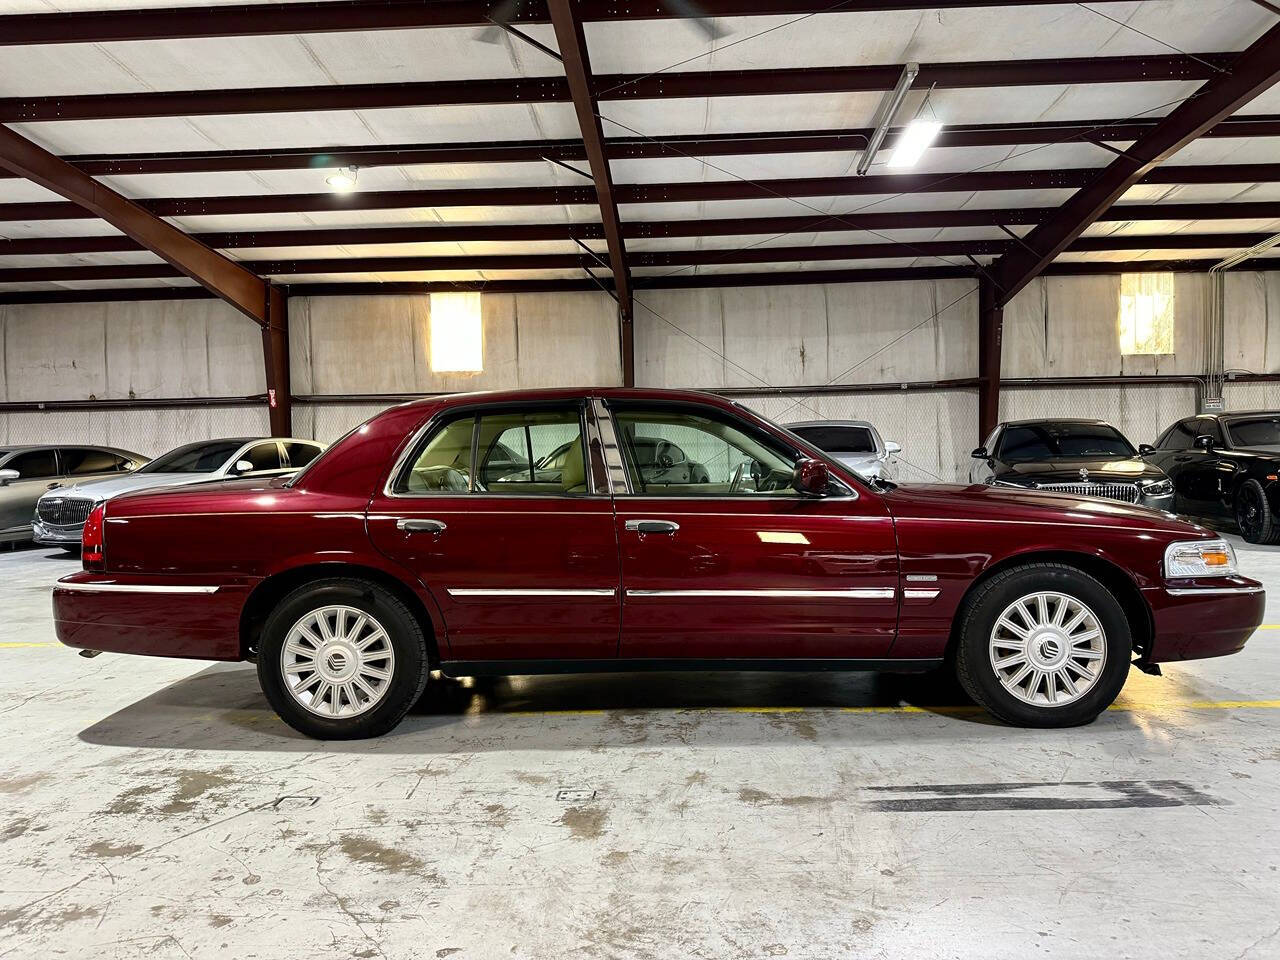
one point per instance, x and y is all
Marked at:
(275, 354)
(990, 342)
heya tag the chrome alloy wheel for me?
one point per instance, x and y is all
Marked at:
(337, 661)
(1048, 649)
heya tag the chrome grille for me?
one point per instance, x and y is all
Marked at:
(64, 512)
(1124, 492)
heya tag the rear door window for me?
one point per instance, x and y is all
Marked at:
(82, 461)
(300, 454)
(264, 456)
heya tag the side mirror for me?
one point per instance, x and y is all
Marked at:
(1145, 449)
(891, 447)
(1204, 442)
(980, 453)
(242, 466)
(7, 477)
(812, 478)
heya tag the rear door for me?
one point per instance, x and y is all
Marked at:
(516, 545)
(737, 564)
(83, 463)
(1176, 455)
(37, 472)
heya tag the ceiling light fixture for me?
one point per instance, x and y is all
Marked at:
(914, 141)
(343, 180)
(889, 107)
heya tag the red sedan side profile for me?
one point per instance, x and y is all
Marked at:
(627, 529)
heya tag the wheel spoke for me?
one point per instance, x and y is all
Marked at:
(1020, 632)
(1042, 608)
(1060, 612)
(352, 633)
(1067, 683)
(1010, 661)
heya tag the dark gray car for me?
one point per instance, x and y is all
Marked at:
(26, 472)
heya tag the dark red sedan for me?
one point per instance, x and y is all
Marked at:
(614, 529)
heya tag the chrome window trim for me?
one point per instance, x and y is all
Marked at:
(135, 588)
(858, 593)
(910, 594)
(531, 592)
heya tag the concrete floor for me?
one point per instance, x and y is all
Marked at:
(153, 808)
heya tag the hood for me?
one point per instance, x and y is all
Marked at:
(127, 483)
(1125, 470)
(981, 502)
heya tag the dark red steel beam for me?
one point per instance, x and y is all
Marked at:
(990, 337)
(325, 17)
(679, 281)
(1254, 72)
(715, 83)
(700, 145)
(1061, 179)
(665, 258)
(522, 232)
(184, 255)
(572, 44)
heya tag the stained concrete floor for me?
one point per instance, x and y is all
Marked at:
(153, 808)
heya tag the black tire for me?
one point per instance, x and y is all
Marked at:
(978, 619)
(1253, 514)
(408, 643)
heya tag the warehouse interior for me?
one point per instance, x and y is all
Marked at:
(256, 219)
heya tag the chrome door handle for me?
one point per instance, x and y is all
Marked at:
(422, 526)
(653, 526)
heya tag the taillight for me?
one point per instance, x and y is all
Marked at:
(91, 551)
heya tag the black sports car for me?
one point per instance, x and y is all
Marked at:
(1224, 467)
(1086, 458)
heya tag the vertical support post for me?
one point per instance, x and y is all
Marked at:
(990, 338)
(626, 335)
(275, 353)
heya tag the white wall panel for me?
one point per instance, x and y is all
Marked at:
(145, 431)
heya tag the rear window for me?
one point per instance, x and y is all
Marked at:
(838, 439)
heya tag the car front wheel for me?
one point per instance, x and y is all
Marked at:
(1043, 645)
(1253, 514)
(342, 659)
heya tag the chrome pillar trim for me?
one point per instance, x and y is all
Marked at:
(920, 594)
(530, 592)
(618, 478)
(1210, 591)
(134, 588)
(861, 593)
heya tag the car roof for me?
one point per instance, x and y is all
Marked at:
(9, 448)
(864, 424)
(1239, 414)
(567, 394)
(1034, 420)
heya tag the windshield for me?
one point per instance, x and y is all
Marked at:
(1255, 432)
(203, 457)
(838, 439)
(1048, 441)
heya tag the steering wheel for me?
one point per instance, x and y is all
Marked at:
(737, 477)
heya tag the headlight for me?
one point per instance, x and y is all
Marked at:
(1158, 488)
(1199, 558)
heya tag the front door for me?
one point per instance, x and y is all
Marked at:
(722, 559)
(37, 472)
(494, 512)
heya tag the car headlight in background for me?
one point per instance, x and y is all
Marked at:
(1158, 488)
(1199, 558)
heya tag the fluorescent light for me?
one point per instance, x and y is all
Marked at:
(457, 333)
(914, 141)
(343, 180)
(890, 104)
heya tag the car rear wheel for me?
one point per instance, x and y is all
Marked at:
(342, 659)
(1253, 514)
(1043, 645)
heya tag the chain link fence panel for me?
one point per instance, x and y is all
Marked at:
(1140, 411)
(149, 431)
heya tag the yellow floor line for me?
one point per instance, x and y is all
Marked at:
(19, 643)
